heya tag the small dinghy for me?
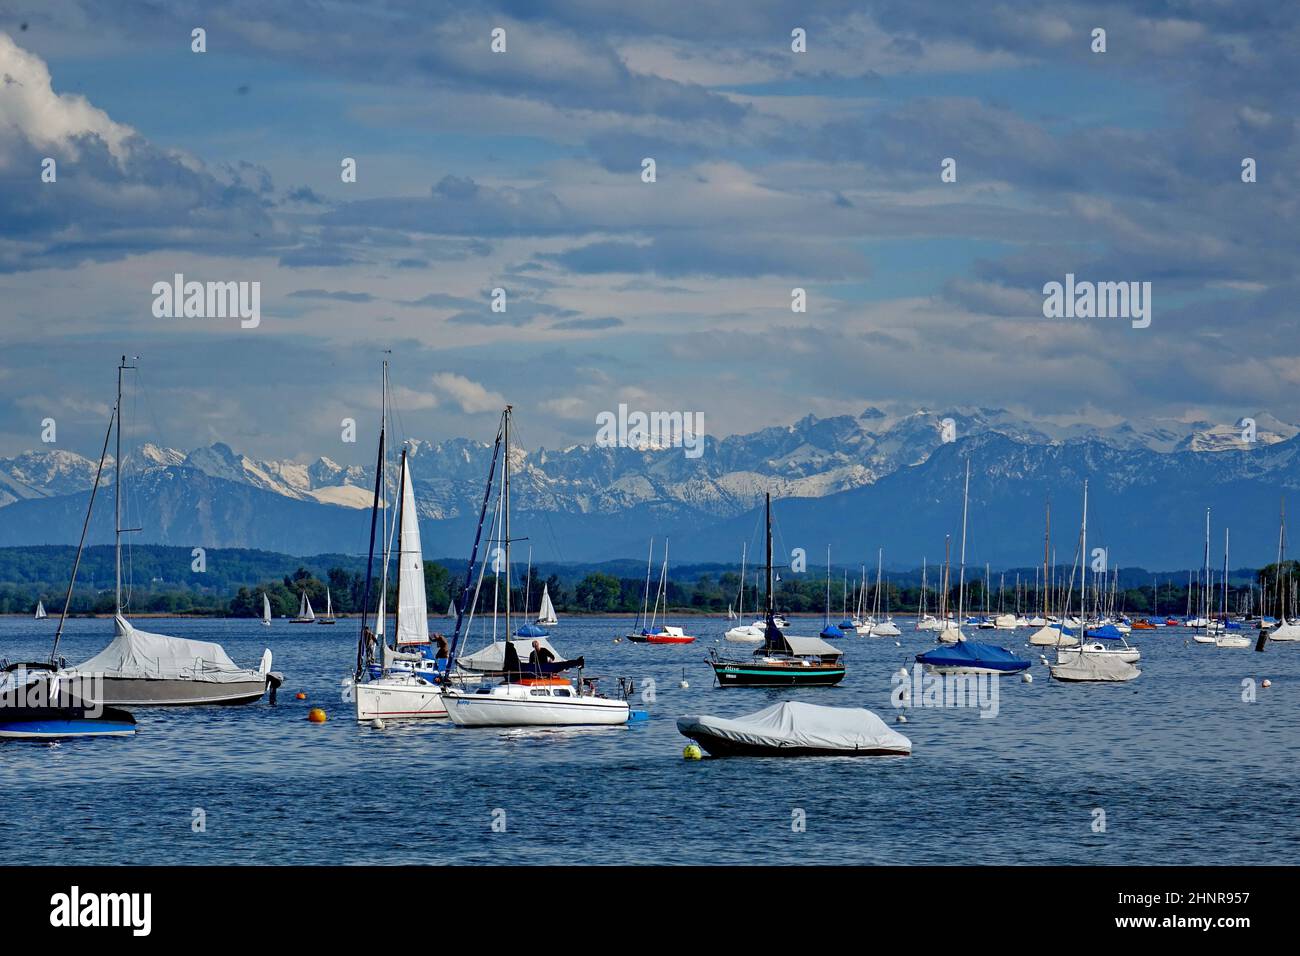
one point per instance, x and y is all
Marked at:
(794, 729)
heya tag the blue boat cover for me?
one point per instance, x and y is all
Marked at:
(846, 625)
(531, 630)
(973, 654)
(830, 632)
(1107, 632)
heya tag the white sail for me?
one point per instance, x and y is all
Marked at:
(412, 611)
(266, 609)
(329, 604)
(546, 614)
(305, 613)
(380, 616)
(451, 607)
(40, 611)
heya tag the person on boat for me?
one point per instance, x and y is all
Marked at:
(540, 656)
(442, 647)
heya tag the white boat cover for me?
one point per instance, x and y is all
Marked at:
(1287, 631)
(812, 647)
(1094, 667)
(795, 724)
(140, 654)
(1051, 635)
(493, 657)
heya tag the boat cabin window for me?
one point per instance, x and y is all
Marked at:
(540, 692)
(563, 692)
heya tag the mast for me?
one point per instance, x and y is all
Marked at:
(387, 542)
(401, 508)
(961, 580)
(1083, 577)
(363, 645)
(90, 505)
(505, 491)
(644, 619)
(473, 555)
(117, 492)
(770, 601)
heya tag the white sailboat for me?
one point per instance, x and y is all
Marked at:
(544, 700)
(1202, 621)
(546, 613)
(328, 618)
(1226, 638)
(405, 688)
(139, 668)
(951, 632)
(887, 627)
(266, 610)
(40, 611)
(744, 633)
(305, 614)
(1286, 629)
(1092, 662)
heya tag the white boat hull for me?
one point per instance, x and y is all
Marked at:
(398, 698)
(746, 634)
(496, 710)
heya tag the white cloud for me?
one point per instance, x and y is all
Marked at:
(469, 395)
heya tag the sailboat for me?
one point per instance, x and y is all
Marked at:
(829, 631)
(1202, 621)
(546, 613)
(146, 669)
(924, 620)
(1091, 662)
(34, 704)
(266, 610)
(328, 617)
(744, 633)
(654, 633)
(887, 627)
(963, 656)
(1050, 633)
(1286, 629)
(1225, 638)
(529, 695)
(408, 684)
(782, 661)
(305, 614)
(40, 611)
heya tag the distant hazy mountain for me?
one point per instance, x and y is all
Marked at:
(858, 483)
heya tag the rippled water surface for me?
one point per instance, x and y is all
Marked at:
(1184, 770)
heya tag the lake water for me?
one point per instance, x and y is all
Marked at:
(1183, 769)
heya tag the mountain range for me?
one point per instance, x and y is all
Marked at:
(855, 483)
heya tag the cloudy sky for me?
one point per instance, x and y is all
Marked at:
(522, 170)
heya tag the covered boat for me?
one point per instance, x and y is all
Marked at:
(1086, 665)
(795, 729)
(146, 669)
(972, 657)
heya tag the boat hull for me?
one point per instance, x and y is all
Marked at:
(398, 701)
(486, 710)
(747, 674)
(721, 747)
(62, 723)
(144, 692)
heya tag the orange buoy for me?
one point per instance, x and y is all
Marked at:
(316, 716)
(301, 695)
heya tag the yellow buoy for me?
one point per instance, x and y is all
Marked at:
(692, 752)
(301, 695)
(316, 715)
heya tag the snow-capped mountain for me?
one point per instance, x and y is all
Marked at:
(845, 468)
